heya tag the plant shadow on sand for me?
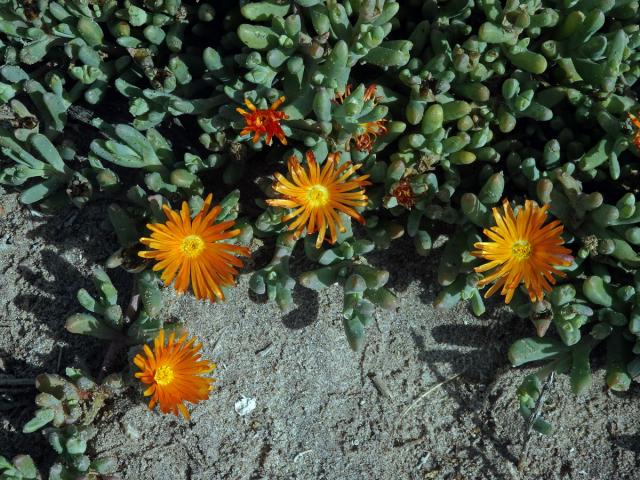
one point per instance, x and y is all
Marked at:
(474, 353)
(308, 308)
(477, 353)
(306, 305)
(50, 302)
(56, 277)
(627, 442)
(46, 285)
(474, 370)
(16, 408)
(406, 267)
(50, 296)
(81, 229)
(403, 270)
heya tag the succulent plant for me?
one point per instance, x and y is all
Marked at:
(449, 108)
(67, 408)
(107, 320)
(21, 467)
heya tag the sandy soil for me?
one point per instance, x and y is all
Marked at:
(318, 413)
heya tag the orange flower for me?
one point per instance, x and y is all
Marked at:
(522, 248)
(318, 195)
(194, 251)
(369, 131)
(265, 122)
(173, 372)
(636, 123)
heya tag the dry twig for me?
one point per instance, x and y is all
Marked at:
(425, 394)
(532, 419)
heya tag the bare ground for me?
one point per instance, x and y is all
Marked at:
(319, 414)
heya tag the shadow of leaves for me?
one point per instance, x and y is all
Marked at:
(307, 311)
(16, 408)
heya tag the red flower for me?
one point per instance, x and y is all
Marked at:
(265, 122)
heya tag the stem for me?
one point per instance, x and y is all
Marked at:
(81, 114)
(559, 365)
(15, 382)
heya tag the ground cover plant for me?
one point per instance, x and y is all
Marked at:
(326, 130)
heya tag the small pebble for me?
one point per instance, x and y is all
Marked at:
(245, 405)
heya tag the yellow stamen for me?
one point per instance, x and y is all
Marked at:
(192, 246)
(318, 196)
(521, 250)
(164, 375)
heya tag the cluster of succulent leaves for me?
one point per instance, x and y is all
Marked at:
(67, 407)
(135, 103)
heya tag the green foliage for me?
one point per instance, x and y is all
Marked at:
(20, 468)
(135, 103)
(106, 319)
(67, 407)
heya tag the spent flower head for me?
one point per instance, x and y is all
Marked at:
(403, 193)
(368, 131)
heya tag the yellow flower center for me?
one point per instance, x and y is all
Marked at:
(317, 196)
(521, 250)
(164, 375)
(192, 246)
